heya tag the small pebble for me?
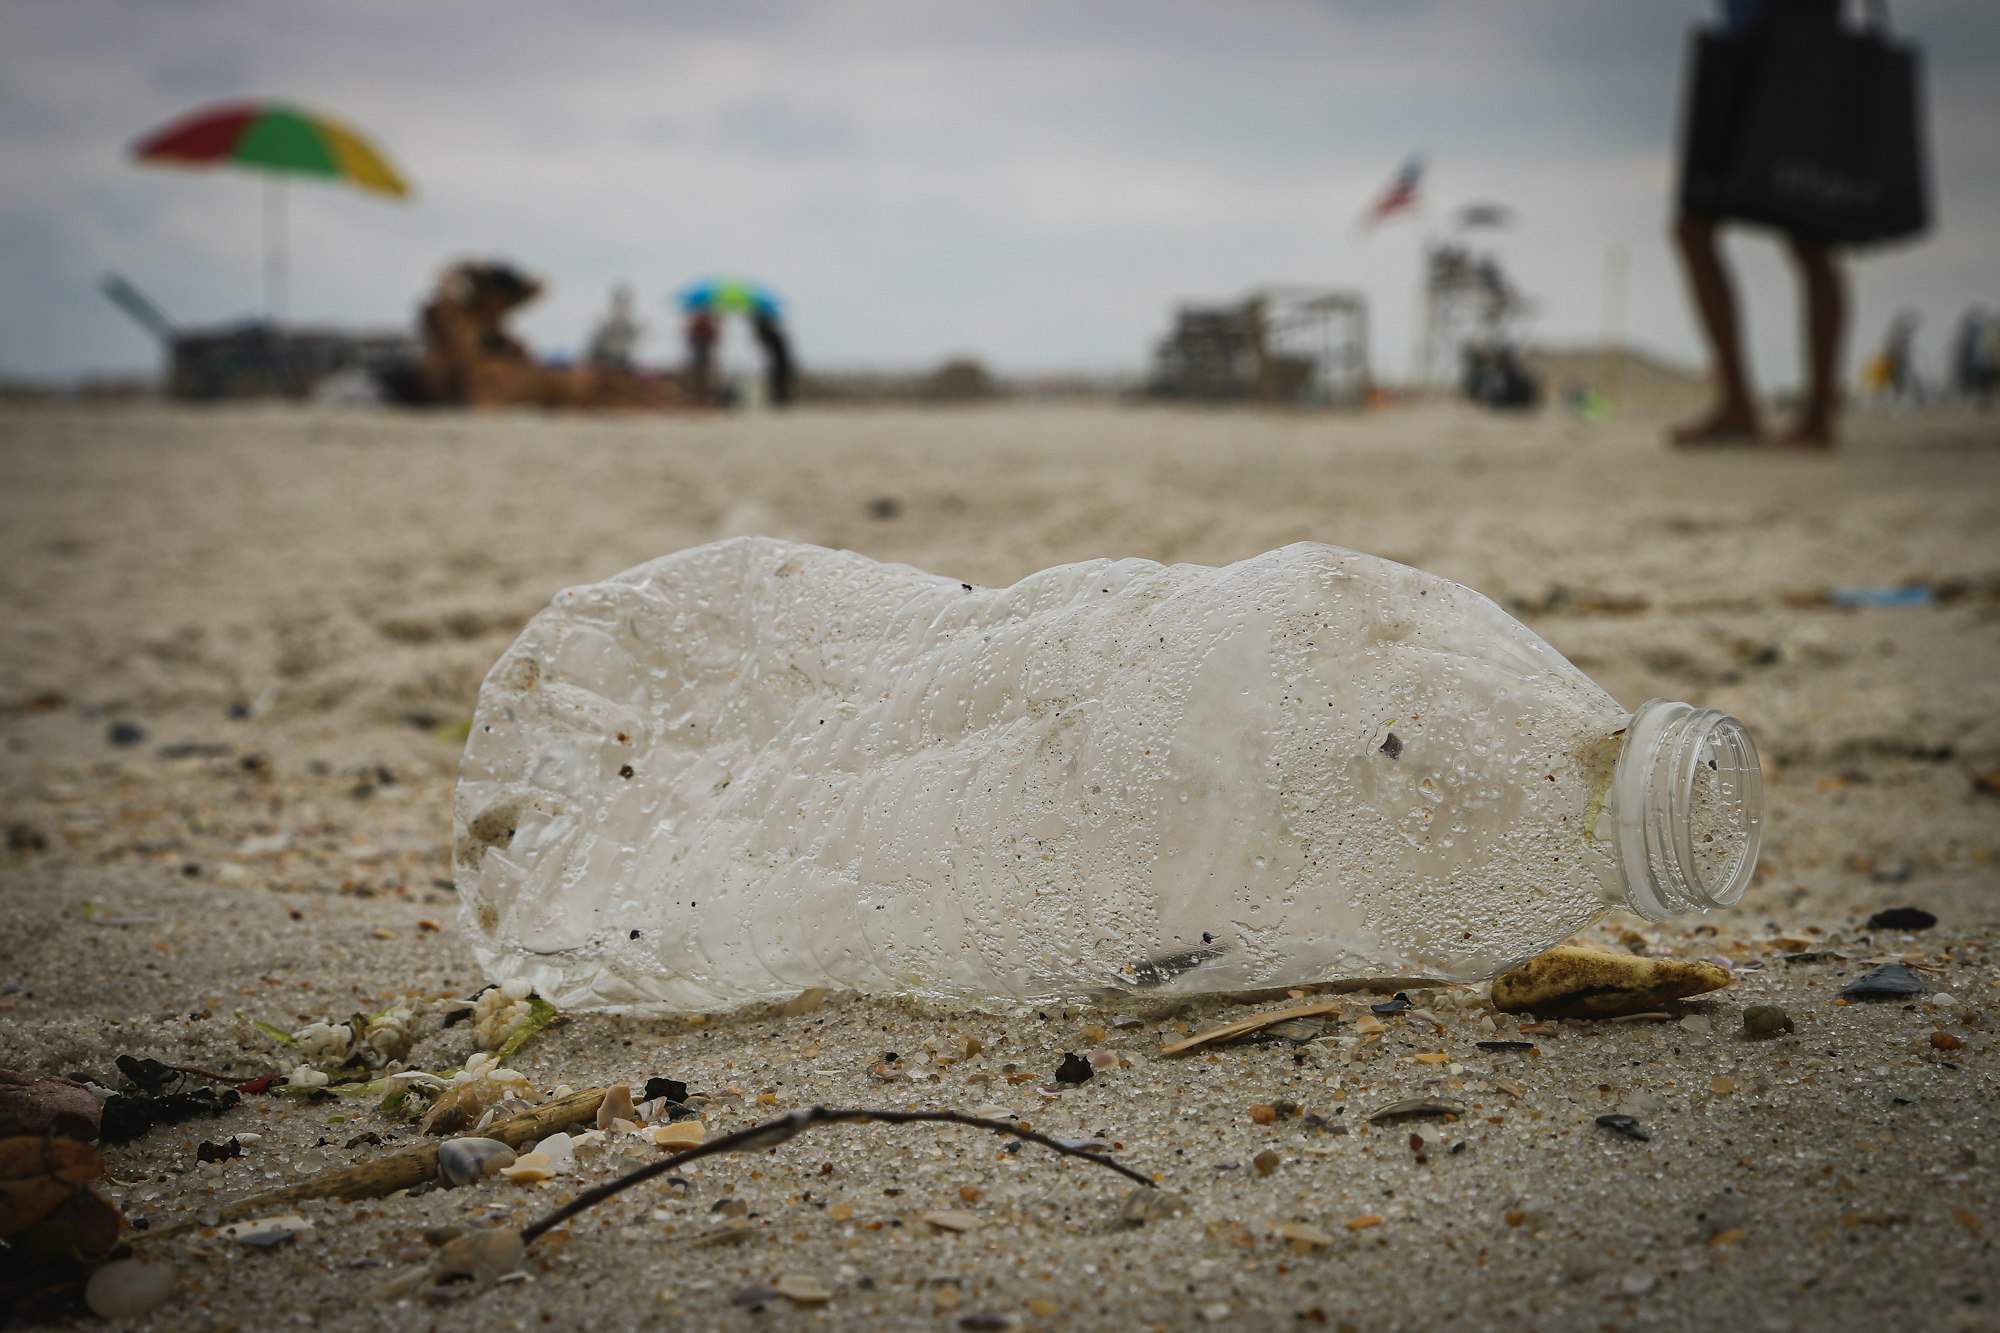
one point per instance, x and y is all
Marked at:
(1765, 1020)
(754, 1295)
(1214, 1312)
(1902, 918)
(1697, 1023)
(1626, 1125)
(1945, 1041)
(1074, 1069)
(1267, 1161)
(1263, 1114)
(128, 1289)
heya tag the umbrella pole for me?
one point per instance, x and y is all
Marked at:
(274, 248)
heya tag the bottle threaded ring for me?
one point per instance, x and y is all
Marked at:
(1687, 802)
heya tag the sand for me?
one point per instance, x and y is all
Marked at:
(295, 609)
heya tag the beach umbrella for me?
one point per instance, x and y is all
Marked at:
(279, 140)
(725, 294)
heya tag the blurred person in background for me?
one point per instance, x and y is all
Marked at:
(1735, 418)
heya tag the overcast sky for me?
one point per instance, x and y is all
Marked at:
(1035, 184)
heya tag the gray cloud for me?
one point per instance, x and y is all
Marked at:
(1035, 182)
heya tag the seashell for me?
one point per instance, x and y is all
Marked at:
(529, 1168)
(617, 1105)
(559, 1148)
(265, 1232)
(469, 1161)
(680, 1134)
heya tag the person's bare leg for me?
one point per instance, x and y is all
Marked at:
(1734, 416)
(1826, 328)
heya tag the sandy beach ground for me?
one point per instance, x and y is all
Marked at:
(240, 646)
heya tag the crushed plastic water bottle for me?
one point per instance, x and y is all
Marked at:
(756, 767)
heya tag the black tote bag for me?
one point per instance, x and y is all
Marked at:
(1815, 129)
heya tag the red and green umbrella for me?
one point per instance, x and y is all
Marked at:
(278, 139)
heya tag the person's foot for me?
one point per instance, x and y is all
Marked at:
(1810, 434)
(1727, 426)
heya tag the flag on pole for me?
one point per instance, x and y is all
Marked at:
(1400, 196)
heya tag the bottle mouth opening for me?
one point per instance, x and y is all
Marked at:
(1687, 801)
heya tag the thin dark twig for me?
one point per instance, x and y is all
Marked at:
(771, 1133)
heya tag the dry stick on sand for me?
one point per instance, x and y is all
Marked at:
(397, 1171)
(771, 1133)
(416, 1166)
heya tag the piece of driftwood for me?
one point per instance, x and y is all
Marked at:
(1243, 1027)
(400, 1170)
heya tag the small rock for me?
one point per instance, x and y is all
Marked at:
(125, 733)
(1698, 1024)
(1902, 918)
(38, 1104)
(1639, 1283)
(1103, 1059)
(752, 1296)
(1263, 1114)
(1891, 981)
(1396, 1004)
(1568, 982)
(1945, 1041)
(666, 1089)
(1626, 1125)
(1765, 1020)
(1074, 1069)
(128, 1289)
(988, 1321)
(1214, 1312)
(1267, 1161)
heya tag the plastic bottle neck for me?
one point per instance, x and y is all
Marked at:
(1686, 809)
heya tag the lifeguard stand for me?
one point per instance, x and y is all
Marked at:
(1283, 345)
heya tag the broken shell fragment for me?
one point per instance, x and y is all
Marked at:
(679, 1134)
(1412, 1109)
(1569, 982)
(953, 1219)
(471, 1160)
(530, 1167)
(803, 1289)
(616, 1106)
